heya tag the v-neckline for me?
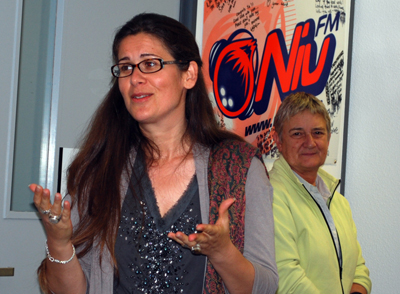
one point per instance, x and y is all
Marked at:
(171, 216)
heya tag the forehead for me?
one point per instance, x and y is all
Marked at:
(142, 44)
(305, 120)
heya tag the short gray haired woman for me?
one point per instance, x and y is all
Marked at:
(315, 236)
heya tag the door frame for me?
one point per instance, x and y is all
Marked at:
(51, 153)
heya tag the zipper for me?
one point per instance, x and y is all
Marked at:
(326, 222)
(333, 193)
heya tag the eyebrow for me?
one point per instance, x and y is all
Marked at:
(295, 129)
(141, 56)
(313, 129)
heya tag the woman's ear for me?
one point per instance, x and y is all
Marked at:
(190, 76)
(276, 138)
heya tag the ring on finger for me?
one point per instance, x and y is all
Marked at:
(47, 211)
(54, 219)
(196, 249)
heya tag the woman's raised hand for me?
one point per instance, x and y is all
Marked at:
(56, 218)
(212, 240)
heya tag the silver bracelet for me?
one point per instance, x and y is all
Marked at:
(52, 259)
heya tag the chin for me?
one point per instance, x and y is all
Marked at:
(312, 165)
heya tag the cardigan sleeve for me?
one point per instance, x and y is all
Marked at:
(259, 246)
(83, 261)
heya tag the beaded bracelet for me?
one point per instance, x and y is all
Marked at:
(52, 259)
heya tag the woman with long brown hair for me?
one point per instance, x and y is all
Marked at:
(160, 198)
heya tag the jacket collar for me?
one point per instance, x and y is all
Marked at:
(330, 181)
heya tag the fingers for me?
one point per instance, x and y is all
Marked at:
(209, 238)
(56, 217)
(223, 218)
(67, 209)
(41, 197)
(182, 239)
(56, 212)
(42, 201)
(224, 207)
(57, 206)
(32, 187)
(215, 238)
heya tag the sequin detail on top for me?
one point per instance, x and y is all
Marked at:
(150, 262)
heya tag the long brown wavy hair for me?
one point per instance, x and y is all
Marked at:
(95, 175)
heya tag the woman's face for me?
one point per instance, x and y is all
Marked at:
(153, 99)
(304, 143)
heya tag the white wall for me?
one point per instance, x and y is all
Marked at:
(372, 169)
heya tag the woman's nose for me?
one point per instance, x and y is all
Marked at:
(309, 141)
(136, 77)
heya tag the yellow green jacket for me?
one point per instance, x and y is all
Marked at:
(305, 252)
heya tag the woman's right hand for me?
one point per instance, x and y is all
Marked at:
(60, 277)
(58, 234)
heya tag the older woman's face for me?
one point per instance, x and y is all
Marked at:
(304, 143)
(158, 98)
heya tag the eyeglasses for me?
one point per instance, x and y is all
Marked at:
(123, 70)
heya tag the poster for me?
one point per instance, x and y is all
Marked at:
(255, 53)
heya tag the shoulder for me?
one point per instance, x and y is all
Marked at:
(235, 144)
(235, 149)
(284, 182)
(233, 159)
(281, 173)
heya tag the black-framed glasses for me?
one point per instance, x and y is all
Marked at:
(123, 70)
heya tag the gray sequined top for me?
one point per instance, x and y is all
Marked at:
(149, 261)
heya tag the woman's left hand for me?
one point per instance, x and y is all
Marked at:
(212, 240)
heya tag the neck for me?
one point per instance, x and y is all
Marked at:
(309, 177)
(169, 140)
(312, 181)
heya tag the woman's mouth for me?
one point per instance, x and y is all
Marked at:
(140, 96)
